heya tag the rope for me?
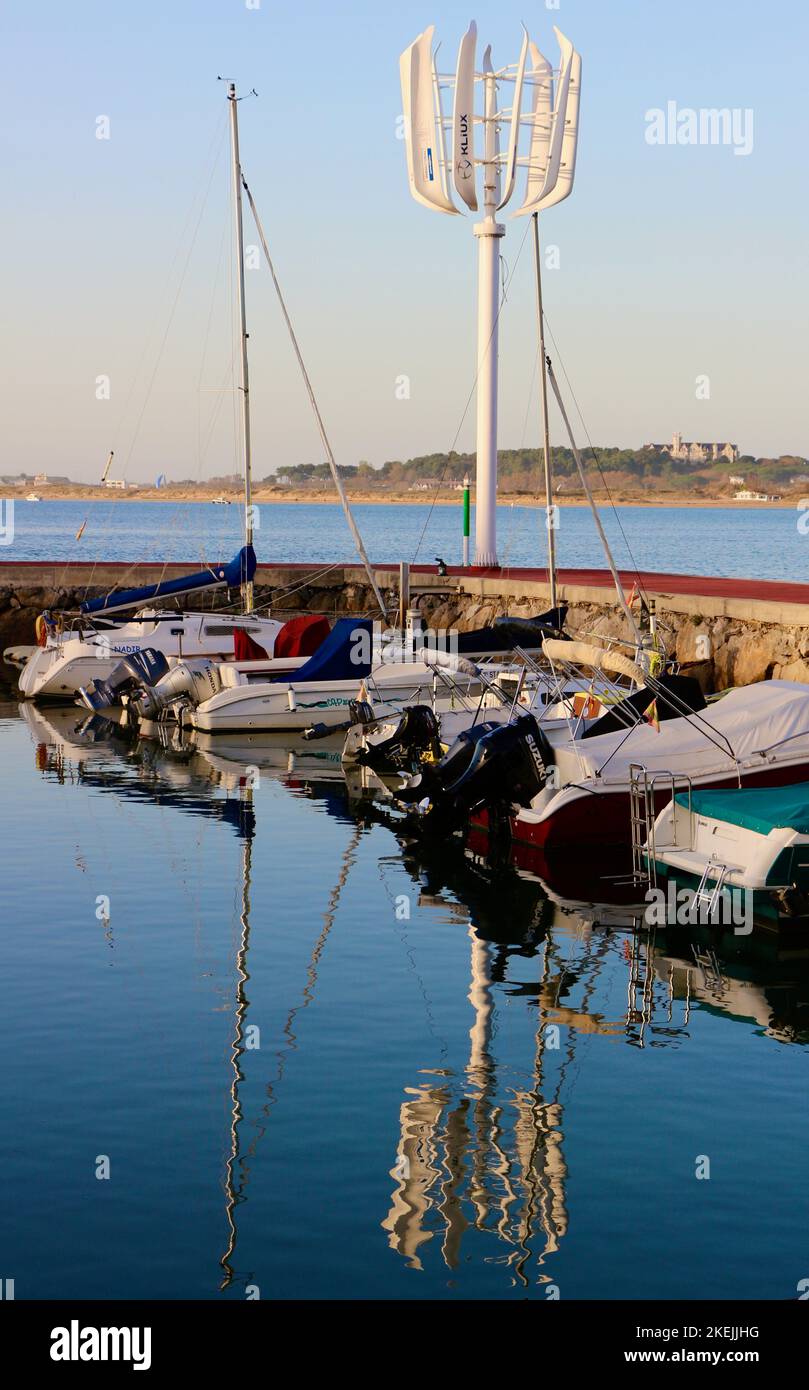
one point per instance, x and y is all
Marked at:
(633, 563)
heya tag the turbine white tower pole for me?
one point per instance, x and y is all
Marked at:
(488, 233)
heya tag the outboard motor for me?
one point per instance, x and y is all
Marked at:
(140, 668)
(415, 736)
(95, 728)
(360, 713)
(190, 681)
(435, 779)
(504, 765)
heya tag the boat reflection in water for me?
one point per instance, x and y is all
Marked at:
(481, 1151)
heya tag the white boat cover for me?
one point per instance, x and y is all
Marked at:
(448, 661)
(599, 658)
(751, 725)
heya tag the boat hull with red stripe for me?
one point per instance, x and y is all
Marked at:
(583, 815)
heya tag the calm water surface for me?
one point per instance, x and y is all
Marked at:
(762, 543)
(318, 1066)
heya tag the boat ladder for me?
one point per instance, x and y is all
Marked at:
(708, 894)
(708, 963)
(643, 786)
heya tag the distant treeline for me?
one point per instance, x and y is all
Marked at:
(521, 469)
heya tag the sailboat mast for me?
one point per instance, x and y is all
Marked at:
(551, 530)
(247, 584)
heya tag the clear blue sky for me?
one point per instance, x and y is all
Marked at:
(675, 261)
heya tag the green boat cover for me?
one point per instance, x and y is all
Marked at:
(755, 808)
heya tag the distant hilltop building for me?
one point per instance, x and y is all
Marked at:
(696, 452)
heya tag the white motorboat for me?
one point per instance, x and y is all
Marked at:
(323, 690)
(749, 841)
(298, 704)
(73, 659)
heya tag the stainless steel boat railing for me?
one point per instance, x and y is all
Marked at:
(643, 817)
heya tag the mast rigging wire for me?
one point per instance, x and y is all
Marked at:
(324, 439)
(593, 451)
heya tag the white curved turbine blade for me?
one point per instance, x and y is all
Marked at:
(559, 112)
(463, 120)
(422, 141)
(491, 174)
(542, 117)
(570, 141)
(440, 133)
(557, 124)
(514, 136)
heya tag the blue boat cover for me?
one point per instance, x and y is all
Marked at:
(755, 808)
(237, 571)
(336, 657)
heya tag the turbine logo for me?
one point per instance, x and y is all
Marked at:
(463, 134)
(464, 169)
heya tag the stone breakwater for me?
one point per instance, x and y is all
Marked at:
(725, 635)
(721, 652)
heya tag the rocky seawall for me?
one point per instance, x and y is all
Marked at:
(722, 636)
(720, 651)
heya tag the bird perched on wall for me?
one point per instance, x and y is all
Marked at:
(442, 565)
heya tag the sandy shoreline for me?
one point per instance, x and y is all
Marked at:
(392, 499)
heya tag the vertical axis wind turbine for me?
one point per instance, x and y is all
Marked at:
(551, 118)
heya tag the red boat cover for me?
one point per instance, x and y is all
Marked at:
(301, 636)
(245, 649)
